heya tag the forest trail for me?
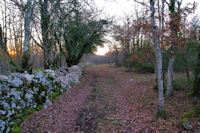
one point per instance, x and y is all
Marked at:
(107, 100)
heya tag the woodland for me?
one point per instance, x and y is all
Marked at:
(52, 80)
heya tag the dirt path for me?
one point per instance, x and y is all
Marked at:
(108, 100)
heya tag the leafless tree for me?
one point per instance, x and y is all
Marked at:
(158, 58)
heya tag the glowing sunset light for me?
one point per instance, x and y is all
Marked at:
(12, 52)
(102, 50)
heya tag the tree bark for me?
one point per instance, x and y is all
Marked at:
(161, 26)
(174, 26)
(170, 75)
(196, 86)
(26, 55)
(158, 59)
(156, 80)
(45, 20)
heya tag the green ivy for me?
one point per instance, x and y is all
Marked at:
(39, 108)
(16, 129)
(54, 96)
(51, 78)
(28, 111)
(71, 83)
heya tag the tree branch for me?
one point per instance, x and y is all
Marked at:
(142, 3)
(166, 2)
(36, 42)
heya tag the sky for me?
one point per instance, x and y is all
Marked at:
(119, 8)
(116, 8)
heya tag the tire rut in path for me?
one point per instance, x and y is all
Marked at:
(97, 106)
(82, 109)
(87, 121)
(60, 116)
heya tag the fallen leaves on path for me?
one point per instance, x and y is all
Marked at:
(110, 100)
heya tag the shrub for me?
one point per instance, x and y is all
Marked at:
(192, 113)
(186, 59)
(144, 68)
(181, 83)
(131, 64)
(16, 129)
(141, 60)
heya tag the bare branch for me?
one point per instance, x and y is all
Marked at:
(36, 42)
(142, 3)
(166, 2)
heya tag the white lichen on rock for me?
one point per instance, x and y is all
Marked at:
(20, 91)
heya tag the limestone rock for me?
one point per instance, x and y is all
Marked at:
(26, 78)
(50, 72)
(3, 78)
(15, 81)
(75, 69)
(38, 75)
(62, 71)
(22, 90)
(187, 126)
(81, 65)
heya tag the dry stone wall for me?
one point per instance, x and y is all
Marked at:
(21, 94)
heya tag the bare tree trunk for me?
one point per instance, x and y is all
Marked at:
(170, 75)
(197, 33)
(158, 59)
(170, 71)
(159, 16)
(26, 55)
(156, 80)
(60, 47)
(174, 28)
(45, 18)
(183, 56)
(196, 86)
(161, 27)
(5, 36)
(21, 39)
